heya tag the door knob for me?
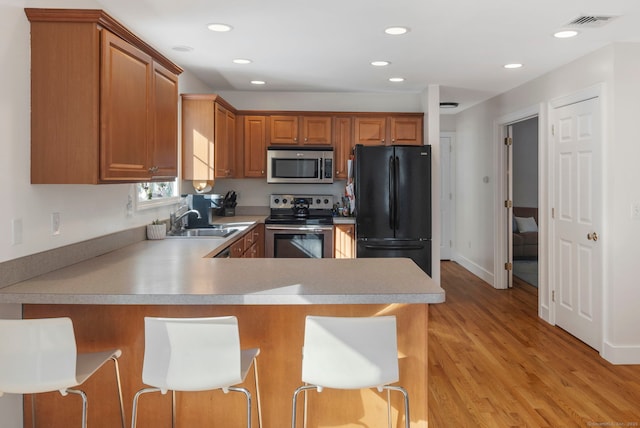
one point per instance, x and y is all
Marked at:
(593, 236)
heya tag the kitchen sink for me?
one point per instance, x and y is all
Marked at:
(222, 230)
(205, 232)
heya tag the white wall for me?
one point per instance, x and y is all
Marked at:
(617, 67)
(86, 211)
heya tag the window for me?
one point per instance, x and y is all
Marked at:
(150, 195)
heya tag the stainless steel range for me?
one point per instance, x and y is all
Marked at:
(300, 226)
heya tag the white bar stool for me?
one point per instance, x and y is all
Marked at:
(350, 353)
(40, 355)
(195, 354)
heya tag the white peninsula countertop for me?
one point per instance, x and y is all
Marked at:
(175, 272)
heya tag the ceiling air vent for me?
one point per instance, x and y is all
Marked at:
(591, 21)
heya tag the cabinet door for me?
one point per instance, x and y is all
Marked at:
(406, 130)
(283, 130)
(164, 147)
(316, 130)
(236, 250)
(126, 98)
(370, 131)
(197, 139)
(255, 146)
(222, 144)
(231, 142)
(344, 241)
(343, 132)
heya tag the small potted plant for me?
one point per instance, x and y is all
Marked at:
(156, 230)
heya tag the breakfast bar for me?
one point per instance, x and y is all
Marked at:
(107, 297)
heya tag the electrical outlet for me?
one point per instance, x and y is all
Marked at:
(16, 230)
(55, 223)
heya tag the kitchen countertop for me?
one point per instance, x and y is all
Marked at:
(176, 271)
(344, 220)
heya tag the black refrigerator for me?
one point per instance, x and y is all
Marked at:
(393, 202)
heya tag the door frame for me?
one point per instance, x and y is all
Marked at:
(595, 91)
(447, 171)
(501, 194)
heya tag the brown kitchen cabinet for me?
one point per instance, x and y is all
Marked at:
(208, 137)
(255, 146)
(300, 130)
(389, 130)
(344, 241)
(342, 145)
(250, 244)
(103, 103)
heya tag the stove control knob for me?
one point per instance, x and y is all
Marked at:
(284, 201)
(318, 201)
(326, 201)
(276, 200)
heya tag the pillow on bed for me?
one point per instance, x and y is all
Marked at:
(515, 225)
(526, 224)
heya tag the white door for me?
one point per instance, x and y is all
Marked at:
(577, 216)
(446, 197)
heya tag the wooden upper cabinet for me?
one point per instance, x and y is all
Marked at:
(316, 130)
(224, 142)
(126, 92)
(103, 102)
(299, 130)
(342, 145)
(370, 131)
(283, 130)
(406, 130)
(255, 146)
(208, 137)
(164, 147)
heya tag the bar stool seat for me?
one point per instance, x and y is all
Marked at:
(196, 354)
(350, 353)
(40, 355)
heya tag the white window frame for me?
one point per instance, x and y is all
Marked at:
(158, 200)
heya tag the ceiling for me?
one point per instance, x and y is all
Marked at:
(328, 45)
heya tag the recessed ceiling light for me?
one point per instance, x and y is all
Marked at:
(380, 63)
(513, 65)
(182, 48)
(258, 82)
(565, 34)
(219, 27)
(396, 79)
(396, 31)
(241, 61)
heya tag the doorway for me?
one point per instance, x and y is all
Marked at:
(524, 216)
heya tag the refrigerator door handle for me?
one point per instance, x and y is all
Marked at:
(396, 193)
(392, 220)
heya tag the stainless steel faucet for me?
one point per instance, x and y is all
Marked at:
(175, 219)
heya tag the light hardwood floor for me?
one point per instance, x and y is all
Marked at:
(494, 363)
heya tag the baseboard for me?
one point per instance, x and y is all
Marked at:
(621, 354)
(472, 267)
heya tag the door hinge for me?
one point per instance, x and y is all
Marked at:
(553, 213)
(508, 266)
(508, 204)
(553, 130)
(553, 296)
(508, 141)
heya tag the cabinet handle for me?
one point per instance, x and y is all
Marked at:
(153, 169)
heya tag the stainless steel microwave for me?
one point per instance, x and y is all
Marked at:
(299, 165)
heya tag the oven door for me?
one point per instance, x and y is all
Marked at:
(283, 241)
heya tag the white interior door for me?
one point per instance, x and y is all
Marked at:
(446, 197)
(577, 217)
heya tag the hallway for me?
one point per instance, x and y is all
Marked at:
(494, 363)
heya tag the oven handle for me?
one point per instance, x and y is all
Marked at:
(301, 228)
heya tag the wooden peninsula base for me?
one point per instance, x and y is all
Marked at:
(276, 329)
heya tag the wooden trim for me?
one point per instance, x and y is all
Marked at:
(103, 19)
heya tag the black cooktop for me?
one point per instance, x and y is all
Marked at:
(288, 218)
